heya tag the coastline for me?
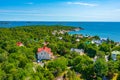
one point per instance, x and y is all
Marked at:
(102, 29)
(78, 32)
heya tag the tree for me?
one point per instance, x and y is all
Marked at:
(96, 37)
(91, 52)
(118, 78)
(105, 47)
(2, 75)
(112, 68)
(84, 65)
(71, 75)
(57, 66)
(44, 74)
(101, 54)
(116, 48)
(101, 67)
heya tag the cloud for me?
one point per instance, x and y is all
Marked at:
(17, 11)
(29, 3)
(9, 11)
(82, 4)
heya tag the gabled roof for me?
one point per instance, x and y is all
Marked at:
(46, 49)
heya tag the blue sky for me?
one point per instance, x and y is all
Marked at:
(59, 10)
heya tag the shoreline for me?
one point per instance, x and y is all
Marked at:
(78, 33)
(90, 27)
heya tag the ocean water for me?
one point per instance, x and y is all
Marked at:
(103, 29)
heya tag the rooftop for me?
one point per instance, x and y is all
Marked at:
(46, 49)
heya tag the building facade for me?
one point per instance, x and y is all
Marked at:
(44, 54)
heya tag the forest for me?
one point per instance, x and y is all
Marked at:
(19, 62)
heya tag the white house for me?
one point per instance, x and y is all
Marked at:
(77, 40)
(103, 39)
(97, 57)
(44, 53)
(106, 58)
(118, 44)
(114, 55)
(60, 38)
(80, 51)
(97, 42)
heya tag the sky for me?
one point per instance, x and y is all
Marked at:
(60, 10)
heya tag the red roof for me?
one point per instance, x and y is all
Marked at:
(19, 44)
(46, 49)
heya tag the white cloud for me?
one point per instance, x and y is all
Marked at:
(83, 4)
(8, 11)
(18, 11)
(30, 3)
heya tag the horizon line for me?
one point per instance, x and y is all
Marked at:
(52, 21)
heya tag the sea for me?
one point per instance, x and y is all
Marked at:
(109, 30)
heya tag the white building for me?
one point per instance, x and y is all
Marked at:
(114, 55)
(77, 40)
(44, 53)
(80, 51)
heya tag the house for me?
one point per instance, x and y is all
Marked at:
(95, 58)
(60, 38)
(80, 51)
(118, 44)
(54, 32)
(97, 42)
(19, 44)
(106, 58)
(77, 40)
(114, 55)
(44, 53)
(103, 39)
(80, 36)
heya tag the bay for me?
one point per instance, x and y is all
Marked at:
(103, 29)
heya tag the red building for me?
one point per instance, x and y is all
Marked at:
(19, 44)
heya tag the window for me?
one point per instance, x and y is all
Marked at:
(41, 53)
